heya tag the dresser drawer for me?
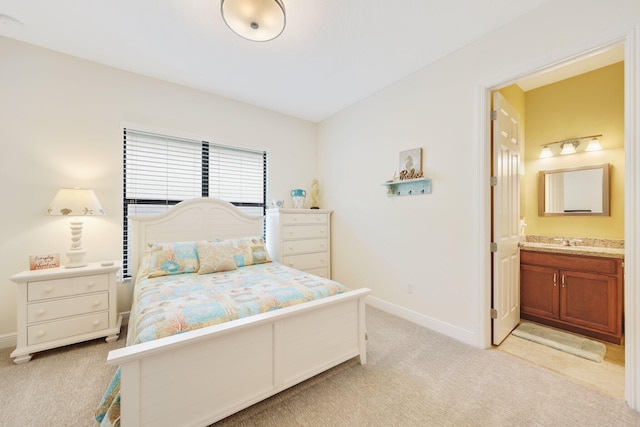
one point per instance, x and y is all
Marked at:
(292, 247)
(60, 329)
(308, 261)
(304, 232)
(305, 218)
(320, 271)
(67, 307)
(55, 288)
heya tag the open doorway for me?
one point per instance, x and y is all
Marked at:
(630, 39)
(583, 98)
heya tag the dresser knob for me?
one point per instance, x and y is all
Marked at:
(41, 312)
(40, 333)
(96, 303)
(91, 284)
(48, 289)
(96, 322)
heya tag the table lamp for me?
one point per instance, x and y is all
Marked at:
(75, 202)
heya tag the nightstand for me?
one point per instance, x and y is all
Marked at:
(62, 306)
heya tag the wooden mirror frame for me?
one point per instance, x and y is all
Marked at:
(605, 191)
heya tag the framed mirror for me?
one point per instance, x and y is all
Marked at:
(582, 190)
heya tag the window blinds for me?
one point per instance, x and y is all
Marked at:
(161, 171)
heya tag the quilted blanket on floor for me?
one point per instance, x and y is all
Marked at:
(169, 305)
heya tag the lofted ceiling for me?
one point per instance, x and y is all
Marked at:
(331, 54)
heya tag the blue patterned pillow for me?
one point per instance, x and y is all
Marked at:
(173, 258)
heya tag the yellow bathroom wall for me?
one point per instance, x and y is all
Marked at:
(588, 104)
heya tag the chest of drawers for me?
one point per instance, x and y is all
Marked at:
(61, 306)
(300, 238)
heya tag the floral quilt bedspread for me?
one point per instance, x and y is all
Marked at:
(169, 305)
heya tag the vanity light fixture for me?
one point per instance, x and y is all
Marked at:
(594, 145)
(570, 146)
(546, 152)
(256, 20)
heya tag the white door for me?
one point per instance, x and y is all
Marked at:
(505, 193)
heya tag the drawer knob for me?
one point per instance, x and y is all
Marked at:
(40, 333)
(48, 289)
(41, 312)
(91, 284)
(96, 303)
(96, 322)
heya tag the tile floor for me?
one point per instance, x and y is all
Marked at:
(607, 375)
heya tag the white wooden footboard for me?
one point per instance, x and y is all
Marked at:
(202, 376)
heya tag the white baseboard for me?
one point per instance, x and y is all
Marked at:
(8, 341)
(454, 332)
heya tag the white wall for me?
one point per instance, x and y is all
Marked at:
(61, 124)
(432, 240)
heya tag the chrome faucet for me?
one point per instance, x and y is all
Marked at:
(563, 241)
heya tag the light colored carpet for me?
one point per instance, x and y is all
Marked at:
(569, 343)
(414, 377)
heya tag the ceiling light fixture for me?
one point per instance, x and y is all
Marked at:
(256, 20)
(570, 146)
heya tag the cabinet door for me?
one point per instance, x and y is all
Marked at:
(539, 293)
(590, 300)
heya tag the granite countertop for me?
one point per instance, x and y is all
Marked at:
(609, 248)
(606, 252)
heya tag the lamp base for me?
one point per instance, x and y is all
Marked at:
(76, 258)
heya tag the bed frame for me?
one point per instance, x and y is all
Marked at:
(199, 377)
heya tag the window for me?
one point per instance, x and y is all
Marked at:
(161, 171)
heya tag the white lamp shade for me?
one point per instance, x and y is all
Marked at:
(257, 20)
(75, 202)
(568, 148)
(546, 152)
(594, 145)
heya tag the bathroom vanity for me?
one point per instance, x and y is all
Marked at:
(572, 288)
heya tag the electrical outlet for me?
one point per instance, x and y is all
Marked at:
(410, 287)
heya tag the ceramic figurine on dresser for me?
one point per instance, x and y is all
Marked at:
(298, 196)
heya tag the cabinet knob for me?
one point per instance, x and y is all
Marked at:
(96, 303)
(91, 284)
(96, 322)
(40, 333)
(48, 289)
(41, 312)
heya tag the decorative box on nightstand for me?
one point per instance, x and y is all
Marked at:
(300, 238)
(61, 306)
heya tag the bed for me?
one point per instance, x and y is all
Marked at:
(194, 377)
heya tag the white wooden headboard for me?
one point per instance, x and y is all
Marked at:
(203, 218)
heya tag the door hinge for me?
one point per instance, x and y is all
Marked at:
(493, 115)
(493, 247)
(494, 313)
(493, 181)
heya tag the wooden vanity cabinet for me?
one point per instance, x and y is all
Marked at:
(582, 294)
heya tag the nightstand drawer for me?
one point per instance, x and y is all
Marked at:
(305, 218)
(305, 262)
(304, 232)
(42, 311)
(56, 288)
(291, 247)
(67, 328)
